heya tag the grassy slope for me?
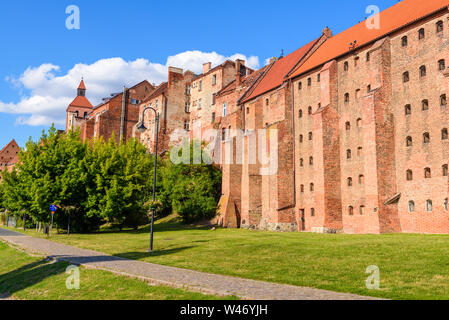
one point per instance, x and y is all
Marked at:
(411, 266)
(31, 278)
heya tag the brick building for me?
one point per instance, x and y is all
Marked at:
(79, 109)
(9, 156)
(362, 122)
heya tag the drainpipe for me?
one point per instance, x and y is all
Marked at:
(122, 123)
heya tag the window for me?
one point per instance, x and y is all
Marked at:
(421, 34)
(360, 151)
(356, 61)
(349, 182)
(223, 134)
(199, 103)
(225, 109)
(444, 170)
(422, 71)
(310, 136)
(267, 102)
(186, 125)
(409, 175)
(214, 96)
(301, 138)
(300, 113)
(425, 104)
(359, 122)
(368, 88)
(439, 26)
(443, 100)
(362, 210)
(302, 188)
(301, 162)
(446, 204)
(187, 107)
(361, 179)
(213, 117)
(426, 137)
(409, 141)
(310, 110)
(404, 41)
(311, 161)
(427, 173)
(442, 65)
(312, 187)
(247, 110)
(348, 126)
(346, 97)
(408, 110)
(312, 212)
(309, 82)
(405, 77)
(200, 85)
(346, 66)
(300, 86)
(429, 206)
(214, 79)
(348, 154)
(318, 77)
(351, 210)
(368, 57)
(444, 134)
(411, 206)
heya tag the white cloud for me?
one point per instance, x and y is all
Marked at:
(50, 92)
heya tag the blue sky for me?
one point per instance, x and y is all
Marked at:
(35, 38)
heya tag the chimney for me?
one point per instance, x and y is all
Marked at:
(206, 67)
(327, 32)
(174, 74)
(238, 71)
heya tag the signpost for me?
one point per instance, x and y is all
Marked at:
(53, 209)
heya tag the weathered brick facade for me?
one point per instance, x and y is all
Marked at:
(9, 156)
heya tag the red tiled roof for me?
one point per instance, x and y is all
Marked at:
(391, 19)
(82, 86)
(280, 68)
(81, 102)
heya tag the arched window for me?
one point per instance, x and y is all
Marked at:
(302, 188)
(444, 169)
(405, 77)
(408, 110)
(267, 102)
(301, 162)
(348, 154)
(426, 137)
(425, 104)
(441, 65)
(309, 82)
(404, 41)
(300, 86)
(427, 173)
(312, 212)
(348, 126)
(409, 175)
(318, 77)
(310, 136)
(346, 66)
(361, 179)
(312, 187)
(421, 34)
(411, 206)
(301, 138)
(300, 113)
(443, 100)
(422, 71)
(359, 122)
(362, 210)
(351, 210)
(368, 57)
(429, 206)
(346, 97)
(310, 110)
(349, 182)
(439, 26)
(409, 141)
(444, 134)
(311, 161)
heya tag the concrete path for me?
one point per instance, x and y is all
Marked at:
(174, 277)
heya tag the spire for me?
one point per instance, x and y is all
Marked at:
(81, 89)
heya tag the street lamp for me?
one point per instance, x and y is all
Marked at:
(142, 129)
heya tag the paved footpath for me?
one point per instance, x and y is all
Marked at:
(169, 276)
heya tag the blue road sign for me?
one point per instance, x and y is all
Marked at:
(53, 208)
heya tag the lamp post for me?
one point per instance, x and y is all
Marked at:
(142, 129)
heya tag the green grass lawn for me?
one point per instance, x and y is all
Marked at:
(32, 278)
(411, 266)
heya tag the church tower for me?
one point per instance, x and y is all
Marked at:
(79, 109)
